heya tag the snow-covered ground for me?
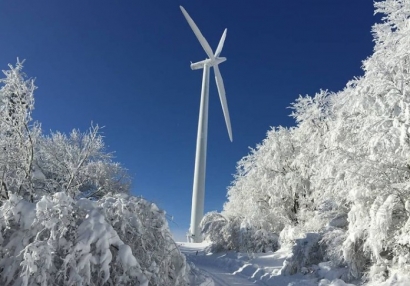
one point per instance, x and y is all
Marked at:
(246, 269)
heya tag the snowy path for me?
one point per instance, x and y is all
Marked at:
(231, 268)
(223, 279)
(216, 274)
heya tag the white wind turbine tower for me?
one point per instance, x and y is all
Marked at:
(213, 60)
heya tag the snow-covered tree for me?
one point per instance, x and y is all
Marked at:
(17, 138)
(78, 164)
(343, 171)
(66, 216)
(267, 182)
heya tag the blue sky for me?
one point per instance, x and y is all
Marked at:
(125, 65)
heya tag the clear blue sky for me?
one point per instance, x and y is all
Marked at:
(125, 65)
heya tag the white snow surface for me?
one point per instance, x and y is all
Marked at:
(232, 268)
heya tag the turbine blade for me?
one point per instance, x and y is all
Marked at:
(198, 34)
(222, 97)
(221, 44)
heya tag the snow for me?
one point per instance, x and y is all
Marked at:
(268, 269)
(232, 268)
(215, 269)
(126, 257)
(24, 211)
(336, 282)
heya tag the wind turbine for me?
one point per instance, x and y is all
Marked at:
(213, 60)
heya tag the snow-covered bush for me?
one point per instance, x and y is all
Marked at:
(119, 240)
(212, 227)
(263, 241)
(144, 227)
(234, 234)
(66, 217)
(306, 252)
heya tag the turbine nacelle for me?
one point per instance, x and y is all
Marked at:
(207, 62)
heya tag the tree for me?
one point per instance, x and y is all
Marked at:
(66, 216)
(343, 172)
(78, 165)
(17, 138)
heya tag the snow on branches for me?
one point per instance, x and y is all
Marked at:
(343, 172)
(119, 240)
(66, 217)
